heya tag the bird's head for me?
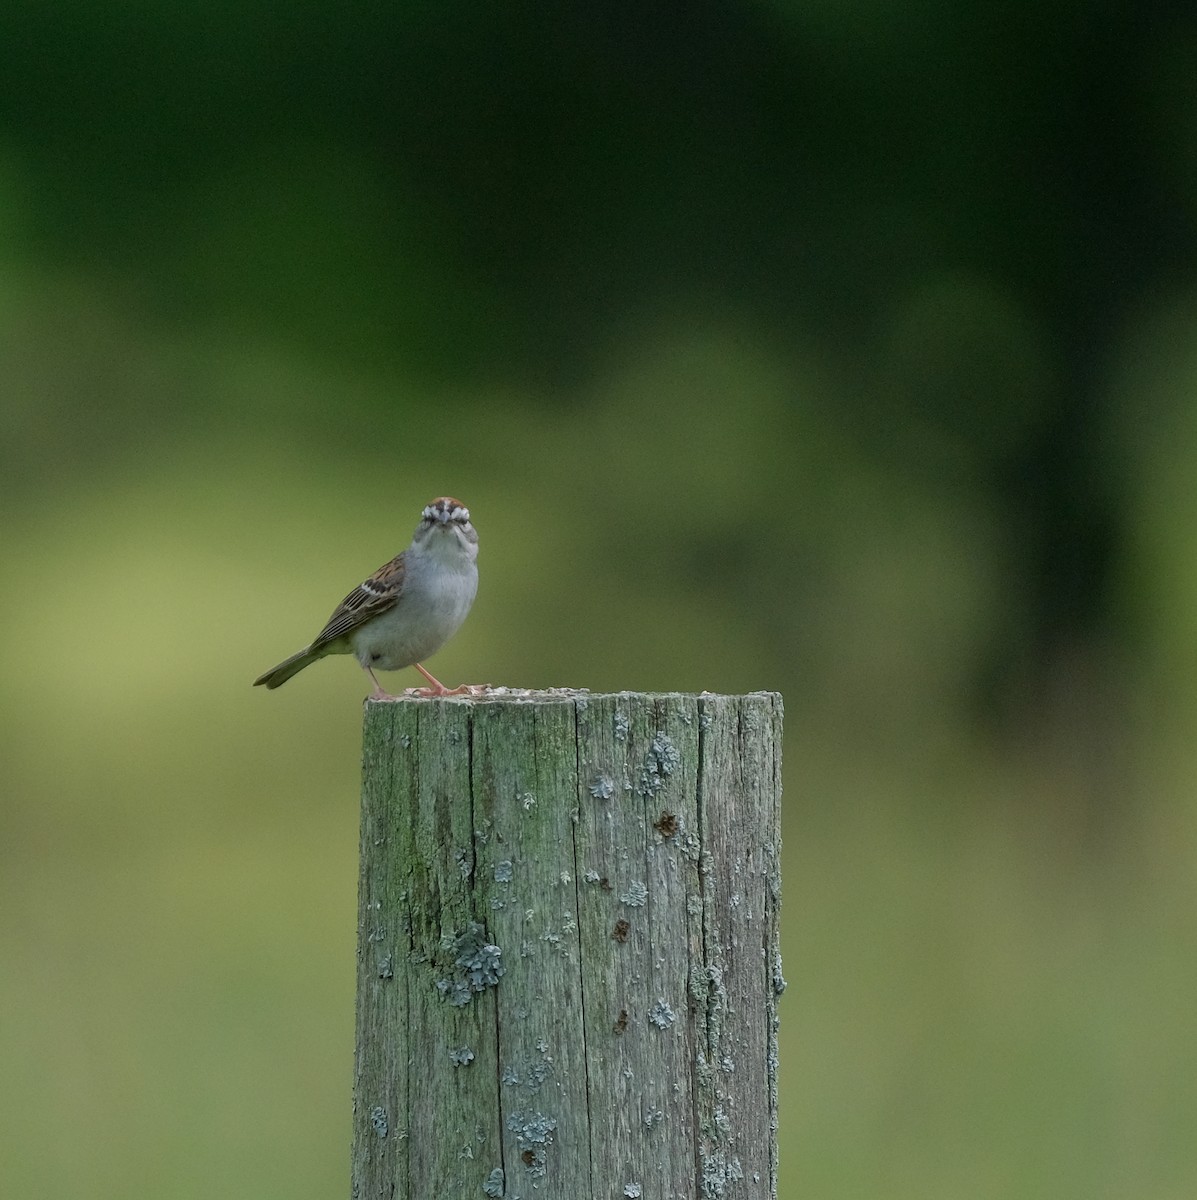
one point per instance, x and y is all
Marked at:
(447, 520)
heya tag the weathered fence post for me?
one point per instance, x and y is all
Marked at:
(568, 961)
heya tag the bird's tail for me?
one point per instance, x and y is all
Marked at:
(279, 675)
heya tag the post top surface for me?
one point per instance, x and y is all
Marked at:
(510, 695)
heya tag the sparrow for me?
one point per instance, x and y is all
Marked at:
(407, 610)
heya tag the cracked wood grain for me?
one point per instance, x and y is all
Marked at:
(568, 965)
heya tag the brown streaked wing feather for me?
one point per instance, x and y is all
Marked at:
(370, 598)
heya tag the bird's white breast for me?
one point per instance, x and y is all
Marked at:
(438, 590)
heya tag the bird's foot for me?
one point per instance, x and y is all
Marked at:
(437, 688)
(465, 689)
(377, 693)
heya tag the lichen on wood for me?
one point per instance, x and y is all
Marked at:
(568, 963)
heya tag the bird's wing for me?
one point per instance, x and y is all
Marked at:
(370, 598)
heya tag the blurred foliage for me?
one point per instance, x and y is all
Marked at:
(848, 350)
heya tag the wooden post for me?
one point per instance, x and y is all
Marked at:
(568, 963)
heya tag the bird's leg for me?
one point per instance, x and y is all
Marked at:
(377, 693)
(437, 689)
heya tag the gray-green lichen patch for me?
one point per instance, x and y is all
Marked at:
(717, 1172)
(462, 1056)
(454, 991)
(477, 965)
(637, 894)
(660, 762)
(661, 1015)
(533, 1136)
(603, 787)
(378, 1121)
(533, 1075)
(504, 871)
(493, 1186)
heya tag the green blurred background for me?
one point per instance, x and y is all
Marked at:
(848, 350)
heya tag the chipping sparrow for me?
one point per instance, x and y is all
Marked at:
(408, 609)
